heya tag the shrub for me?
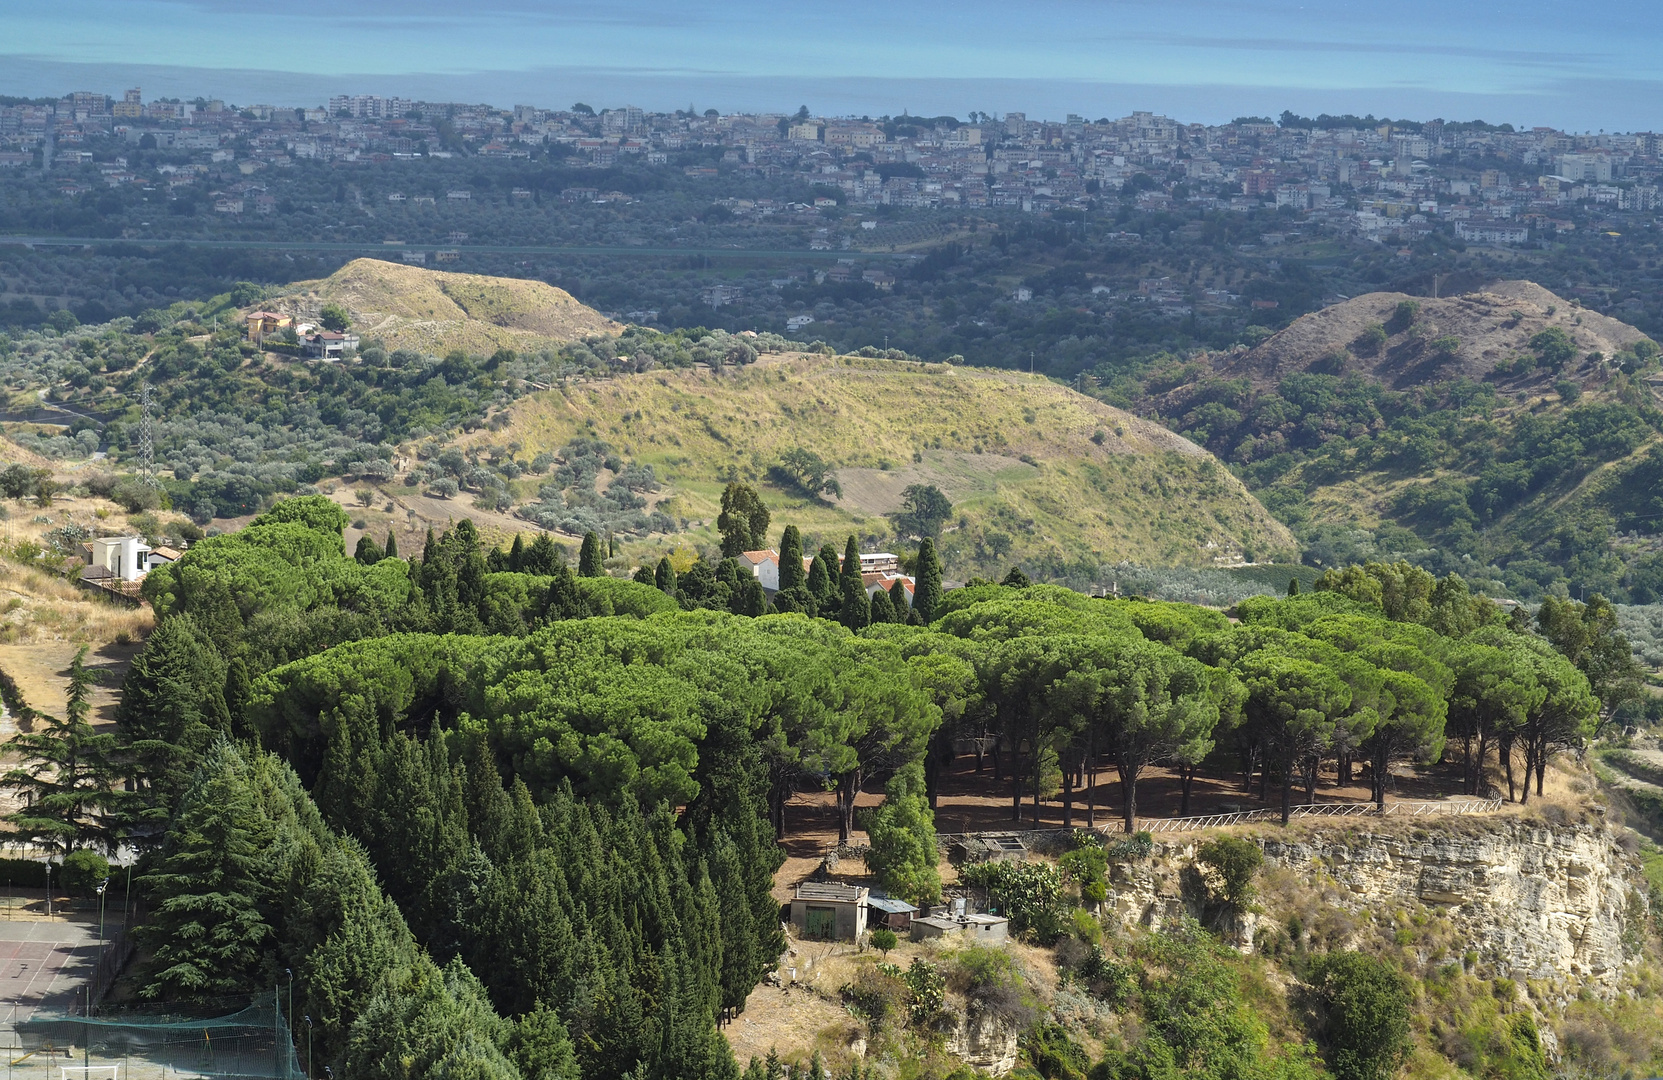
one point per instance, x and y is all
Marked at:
(884, 939)
(1028, 893)
(1236, 861)
(84, 871)
(1365, 1007)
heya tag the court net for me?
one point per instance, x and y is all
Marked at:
(252, 1043)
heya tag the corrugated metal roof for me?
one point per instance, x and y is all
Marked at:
(889, 905)
(831, 890)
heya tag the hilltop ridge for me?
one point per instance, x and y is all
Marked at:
(1444, 338)
(411, 307)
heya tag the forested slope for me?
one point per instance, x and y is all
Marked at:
(520, 821)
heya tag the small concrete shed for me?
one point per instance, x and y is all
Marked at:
(829, 910)
(969, 929)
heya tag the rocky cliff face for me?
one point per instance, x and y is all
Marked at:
(985, 1041)
(1533, 899)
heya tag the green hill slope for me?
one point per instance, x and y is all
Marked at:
(1039, 475)
(1507, 435)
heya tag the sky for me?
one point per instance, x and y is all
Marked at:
(1587, 66)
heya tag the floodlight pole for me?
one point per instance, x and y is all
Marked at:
(48, 886)
(308, 1046)
(100, 965)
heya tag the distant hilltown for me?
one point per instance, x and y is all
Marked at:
(1382, 180)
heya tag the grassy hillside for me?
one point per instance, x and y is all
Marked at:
(410, 307)
(1038, 474)
(1506, 434)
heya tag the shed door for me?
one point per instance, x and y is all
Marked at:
(820, 922)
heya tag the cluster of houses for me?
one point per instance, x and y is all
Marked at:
(839, 911)
(316, 342)
(879, 571)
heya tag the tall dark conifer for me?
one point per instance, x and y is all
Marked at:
(791, 559)
(589, 561)
(927, 591)
(854, 609)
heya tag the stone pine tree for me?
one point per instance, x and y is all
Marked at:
(589, 557)
(69, 775)
(855, 609)
(926, 593)
(791, 559)
(743, 521)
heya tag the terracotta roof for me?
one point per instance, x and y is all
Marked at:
(760, 557)
(166, 552)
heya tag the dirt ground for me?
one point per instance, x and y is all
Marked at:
(972, 802)
(42, 672)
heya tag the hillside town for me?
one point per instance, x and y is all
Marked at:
(1381, 180)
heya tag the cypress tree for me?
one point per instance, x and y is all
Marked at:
(643, 575)
(543, 556)
(368, 552)
(927, 591)
(392, 544)
(665, 577)
(516, 554)
(562, 600)
(589, 557)
(753, 601)
(882, 610)
(822, 580)
(791, 559)
(855, 609)
(898, 603)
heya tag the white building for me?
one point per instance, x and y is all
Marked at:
(123, 557)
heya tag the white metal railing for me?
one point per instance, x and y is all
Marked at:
(1393, 809)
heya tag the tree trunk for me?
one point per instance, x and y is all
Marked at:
(1129, 796)
(1287, 788)
(1016, 781)
(1089, 767)
(1188, 775)
(1067, 796)
(1505, 751)
(1311, 779)
(848, 789)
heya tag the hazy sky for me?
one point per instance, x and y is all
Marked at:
(1584, 66)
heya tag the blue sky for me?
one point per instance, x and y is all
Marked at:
(1592, 65)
